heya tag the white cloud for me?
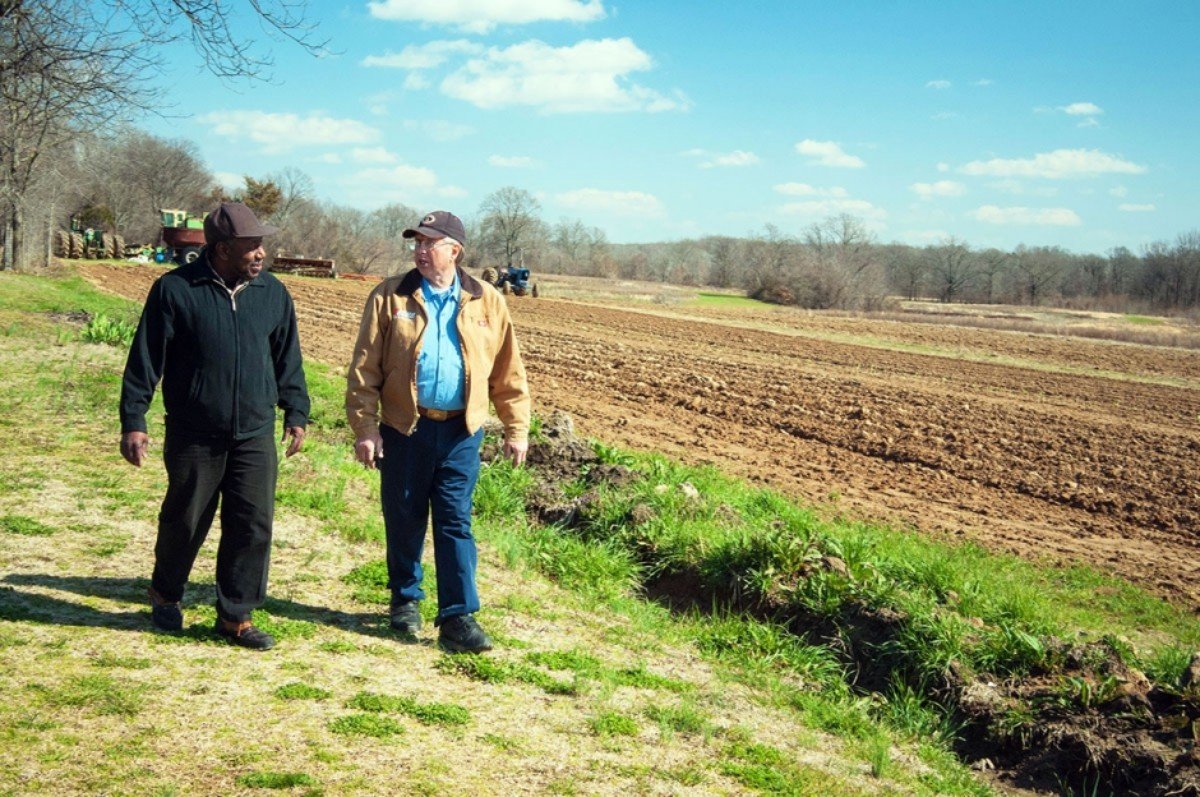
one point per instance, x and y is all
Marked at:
(230, 181)
(1011, 186)
(940, 188)
(1052, 217)
(282, 132)
(982, 82)
(1091, 121)
(1082, 109)
(938, 84)
(328, 157)
(481, 16)
(413, 185)
(821, 208)
(372, 155)
(424, 56)
(1130, 208)
(416, 81)
(828, 153)
(943, 167)
(1118, 191)
(804, 189)
(439, 129)
(1061, 163)
(512, 162)
(622, 203)
(940, 115)
(591, 75)
(714, 159)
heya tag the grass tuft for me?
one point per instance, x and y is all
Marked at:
(275, 780)
(301, 691)
(24, 526)
(366, 725)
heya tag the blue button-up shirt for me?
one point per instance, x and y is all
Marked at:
(440, 375)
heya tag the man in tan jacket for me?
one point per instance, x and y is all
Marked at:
(435, 345)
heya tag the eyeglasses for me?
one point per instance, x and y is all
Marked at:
(426, 245)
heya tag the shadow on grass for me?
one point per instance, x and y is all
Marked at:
(17, 604)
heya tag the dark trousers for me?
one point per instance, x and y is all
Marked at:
(435, 468)
(240, 475)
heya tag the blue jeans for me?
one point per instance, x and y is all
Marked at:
(434, 468)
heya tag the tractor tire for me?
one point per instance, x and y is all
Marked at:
(119, 245)
(489, 276)
(106, 250)
(189, 255)
(77, 250)
(533, 290)
(519, 291)
(62, 244)
(506, 289)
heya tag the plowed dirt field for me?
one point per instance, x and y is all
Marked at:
(1051, 448)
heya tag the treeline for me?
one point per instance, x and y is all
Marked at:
(836, 264)
(120, 183)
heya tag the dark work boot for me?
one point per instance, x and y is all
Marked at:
(461, 634)
(166, 615)
(406, 616)
(244, 634)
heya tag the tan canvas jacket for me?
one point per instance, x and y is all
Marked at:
(381, 385)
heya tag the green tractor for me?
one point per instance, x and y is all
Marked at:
(87, 242)
(182, 236)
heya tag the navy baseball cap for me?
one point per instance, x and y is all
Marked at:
(439, 224)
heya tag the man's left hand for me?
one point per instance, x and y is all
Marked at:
(515, 450)
(297, 435)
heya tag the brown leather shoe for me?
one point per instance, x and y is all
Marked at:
(244, 634)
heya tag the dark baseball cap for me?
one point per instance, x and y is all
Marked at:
(439, 224)
(234, 220)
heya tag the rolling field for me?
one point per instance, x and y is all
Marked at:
(1050, 447)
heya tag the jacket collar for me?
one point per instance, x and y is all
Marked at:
(410, 283)
(200, 270)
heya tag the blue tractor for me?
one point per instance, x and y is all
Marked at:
(514, 280)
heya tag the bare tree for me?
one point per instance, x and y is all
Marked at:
(990, 266)
(213, 28)
(55, 70)
(511, 224)
(72, 65)
(951, 268)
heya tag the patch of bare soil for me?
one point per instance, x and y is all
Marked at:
(1037, 462)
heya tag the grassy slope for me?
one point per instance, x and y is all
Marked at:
(591, 691)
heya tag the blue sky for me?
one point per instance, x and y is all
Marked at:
(1049, 123)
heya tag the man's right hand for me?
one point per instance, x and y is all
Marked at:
(367, 449)
(133, 447)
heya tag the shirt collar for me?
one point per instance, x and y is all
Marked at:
(453, 292)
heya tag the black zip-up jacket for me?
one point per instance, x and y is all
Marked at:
(225, 361)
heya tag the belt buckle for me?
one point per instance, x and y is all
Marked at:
(436, 415)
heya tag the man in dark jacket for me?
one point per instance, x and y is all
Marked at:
(220, 334)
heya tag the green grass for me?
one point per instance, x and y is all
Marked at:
(1142, 320)
(611, 723)
(24, 526)
(373, 725)
(275, 780)
(302, 691)
(99, 692)
(427, 713)
(705, 299)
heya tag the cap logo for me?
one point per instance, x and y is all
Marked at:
(428, 219)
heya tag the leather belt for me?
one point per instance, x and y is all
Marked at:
(439, 415)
